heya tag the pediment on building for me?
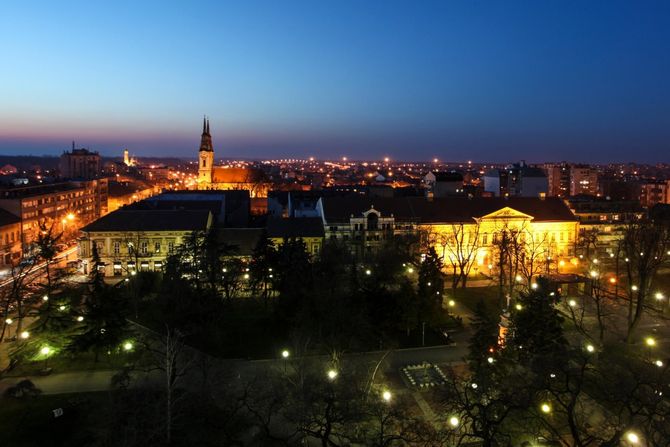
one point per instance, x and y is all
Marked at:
(508, 213)
(372, 210)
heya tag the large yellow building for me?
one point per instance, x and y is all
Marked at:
(460, 229)
(222, 177)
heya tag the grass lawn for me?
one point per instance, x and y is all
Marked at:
(31, 422)
(67, 363)
(470, 296)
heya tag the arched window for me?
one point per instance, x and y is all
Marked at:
(373, 221)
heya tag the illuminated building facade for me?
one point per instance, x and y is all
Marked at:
(455, 227)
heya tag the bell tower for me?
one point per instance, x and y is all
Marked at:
(205, 157)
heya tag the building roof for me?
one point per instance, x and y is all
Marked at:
(7, 218)
(448, 209)
(236, 175)
(448, 176)
(295, 227)
(151, 220)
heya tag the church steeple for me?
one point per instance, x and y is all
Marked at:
(206, 138)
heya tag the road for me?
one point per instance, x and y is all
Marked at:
(64, 256)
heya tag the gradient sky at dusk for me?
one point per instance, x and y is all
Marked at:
(481, 80)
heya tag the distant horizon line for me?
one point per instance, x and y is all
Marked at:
(349, 160)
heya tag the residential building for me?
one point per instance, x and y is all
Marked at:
(517, 180)
(606, 218)
(128, 240)
(62, 206)
(583, 180)
(80, 164)
(558, 177)
(10, 239)
(652, 193)
(444, 184)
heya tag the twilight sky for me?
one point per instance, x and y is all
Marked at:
(480, 80)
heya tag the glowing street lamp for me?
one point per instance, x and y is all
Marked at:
(590, 348)
(659, 296)
(128, 346)
(545, 408)
(572, 303)
(659, 363)
(386, 395)
(9, 321)
(453, 421)
(24, 335)
(633, 437)
(650, 341)
(368, 272)
(452, 303)
(332, 374)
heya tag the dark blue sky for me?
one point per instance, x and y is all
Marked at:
(480, 80)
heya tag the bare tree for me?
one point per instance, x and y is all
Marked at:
(645, 245)
(459, 248)
(170, 357)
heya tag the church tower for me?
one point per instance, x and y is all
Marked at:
(205, 157)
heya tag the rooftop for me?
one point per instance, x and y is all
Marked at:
(152, 220)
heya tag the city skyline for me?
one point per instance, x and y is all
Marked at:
(452, 81)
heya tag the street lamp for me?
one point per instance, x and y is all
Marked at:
(572, 303)
(285, 354)
(545, 408)
(24, 335)
(650, 341)
(386, 395)
(659, 296)
(128, 346)
(453, 421)
(332, 374)
(659, 363)
(590, 348)
(632, 437)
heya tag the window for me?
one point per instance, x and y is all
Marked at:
(144, 247)
(117, 250)
(485, 239)
(157, 247)
(170, 247)
(117, 269)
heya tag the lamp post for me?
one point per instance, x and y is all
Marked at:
(285, 355)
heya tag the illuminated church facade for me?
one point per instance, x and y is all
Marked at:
(211, 177)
